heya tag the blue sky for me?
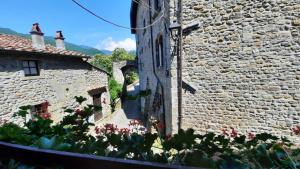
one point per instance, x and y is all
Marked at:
(77, 25)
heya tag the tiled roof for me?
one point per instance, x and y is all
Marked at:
(17, 43)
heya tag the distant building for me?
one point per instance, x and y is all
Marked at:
(240, 64)
(32, 72)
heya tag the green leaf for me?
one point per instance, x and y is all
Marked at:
(54, 144)
(80, 99)
(198, 158)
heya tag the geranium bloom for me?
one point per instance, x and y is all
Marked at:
(97, 130)
(251, 136)
(233, 132)
(225, 132)
(110, 128)
(45, 116)
(169, 137)
(78, 111)
(124, 131)
(134, 122)
(296, 130)
(160, 125)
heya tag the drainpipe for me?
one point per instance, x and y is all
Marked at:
(179, 66)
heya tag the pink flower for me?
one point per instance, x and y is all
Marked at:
(134, 122)
(160, 125)
(97, 130)
(45, 116)
(296, 130)
(78, 112)
(124, 131)
(251, 136)
(110, 128)
(233, 132)
(169, 137)
(225, 132)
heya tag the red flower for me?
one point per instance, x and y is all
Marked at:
(233, 132)
(296, 130)
(251, 136)
(160, 125)
(168, 137)
(97, 130)
(45, 116)
(124, 131)
(78, 112)
(110, 128)
(134, 122)
(225, 132)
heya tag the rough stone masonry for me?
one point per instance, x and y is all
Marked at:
(244, 61)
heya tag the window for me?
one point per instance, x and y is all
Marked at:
(97, 101)
(156, 5)
(30, 68)
(159, 52)
(40, 108)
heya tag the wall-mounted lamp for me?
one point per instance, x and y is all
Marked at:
(174, 28)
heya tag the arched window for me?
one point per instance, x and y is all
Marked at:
(156, 5)
(159, 52)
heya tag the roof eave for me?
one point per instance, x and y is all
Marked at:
(5, 51)
(133, 16)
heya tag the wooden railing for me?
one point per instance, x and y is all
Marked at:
(50, 158)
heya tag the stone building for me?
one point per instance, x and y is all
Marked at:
(237, 63)
(32, 72)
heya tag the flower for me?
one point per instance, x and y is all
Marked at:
(110, 128)
(225, 132)
(45, 116)
(97, 130)
(160, 125)
(79, 112)
(134, 122)
(251, 135)
(296, 130)
(233, 132)
(124, 130)
(168, 137)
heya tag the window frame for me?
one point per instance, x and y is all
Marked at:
(159, 48)
(29, 67)
(157, 6)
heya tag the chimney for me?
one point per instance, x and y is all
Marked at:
(59, 40)
(37, 37)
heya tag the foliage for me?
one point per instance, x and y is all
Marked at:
(115, 91)
(230, 150)
(142, 93)
(120, 54)
(131, 77)
(103, 61)
(106, 61)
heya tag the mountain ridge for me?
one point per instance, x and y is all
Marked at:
(50, 40)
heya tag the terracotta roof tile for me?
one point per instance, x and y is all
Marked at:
(13, 42)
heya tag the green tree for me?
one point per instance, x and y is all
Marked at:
(120, 54)
(103, 61)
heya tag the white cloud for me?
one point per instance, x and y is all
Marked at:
(109, 44)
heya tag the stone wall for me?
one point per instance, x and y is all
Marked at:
(151, 76)
(244, 62)
(60, 80)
